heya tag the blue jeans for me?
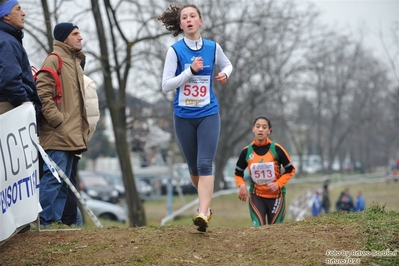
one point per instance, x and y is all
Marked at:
(52, 193)
(79, 218)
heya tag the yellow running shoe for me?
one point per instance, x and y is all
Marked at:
(209, 215)
(201, 221)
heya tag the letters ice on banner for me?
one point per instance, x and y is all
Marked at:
(19, 169)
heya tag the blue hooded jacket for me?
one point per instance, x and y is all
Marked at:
(16, 80)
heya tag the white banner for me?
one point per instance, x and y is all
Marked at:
(19, 170)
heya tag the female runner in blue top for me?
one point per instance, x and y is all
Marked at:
(188, 70)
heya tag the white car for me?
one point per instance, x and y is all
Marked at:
(105, 210)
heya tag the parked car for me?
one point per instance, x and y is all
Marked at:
(311, 164)
(105, 210)
(115, 179)
(228, 173)
(180, 179)
(97, 187)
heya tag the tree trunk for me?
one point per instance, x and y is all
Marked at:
(118, 117)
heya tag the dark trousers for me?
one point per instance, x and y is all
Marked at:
(262, 209)
(70, 209)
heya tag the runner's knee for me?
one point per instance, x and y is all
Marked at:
(205, 167)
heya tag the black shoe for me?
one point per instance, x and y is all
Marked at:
(24, 229)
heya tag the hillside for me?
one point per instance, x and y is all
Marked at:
(373, 235)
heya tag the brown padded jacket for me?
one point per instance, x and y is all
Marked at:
(63, 126)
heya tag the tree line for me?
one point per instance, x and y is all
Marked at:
(325, 91)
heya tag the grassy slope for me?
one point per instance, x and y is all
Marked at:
(230, 240)
(230, 212)
(292, 243)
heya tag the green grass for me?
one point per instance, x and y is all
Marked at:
(382, 233)
(230, 212)
(374, 233)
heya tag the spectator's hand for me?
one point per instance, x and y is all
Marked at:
(273, 186)
(243, 193)
(221, 78)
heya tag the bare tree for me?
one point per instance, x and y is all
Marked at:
(393, 99)
(117, 58)
(347, 78)
(308, 83)
(262, 39)
(121, 42)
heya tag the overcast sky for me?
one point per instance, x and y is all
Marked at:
(359, 15)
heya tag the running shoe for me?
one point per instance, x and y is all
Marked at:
(201, 221)
(209, 215)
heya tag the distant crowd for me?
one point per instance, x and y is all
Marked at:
(392, 171)
(392, 175)
(345, 203)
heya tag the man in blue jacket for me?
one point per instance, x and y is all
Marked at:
(316, 204)
(360, 203)
(16, 81)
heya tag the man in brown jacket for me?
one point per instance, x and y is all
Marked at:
(63, 126)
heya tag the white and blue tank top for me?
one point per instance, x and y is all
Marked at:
(196, 98)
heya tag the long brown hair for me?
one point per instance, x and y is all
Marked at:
(171, 18)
